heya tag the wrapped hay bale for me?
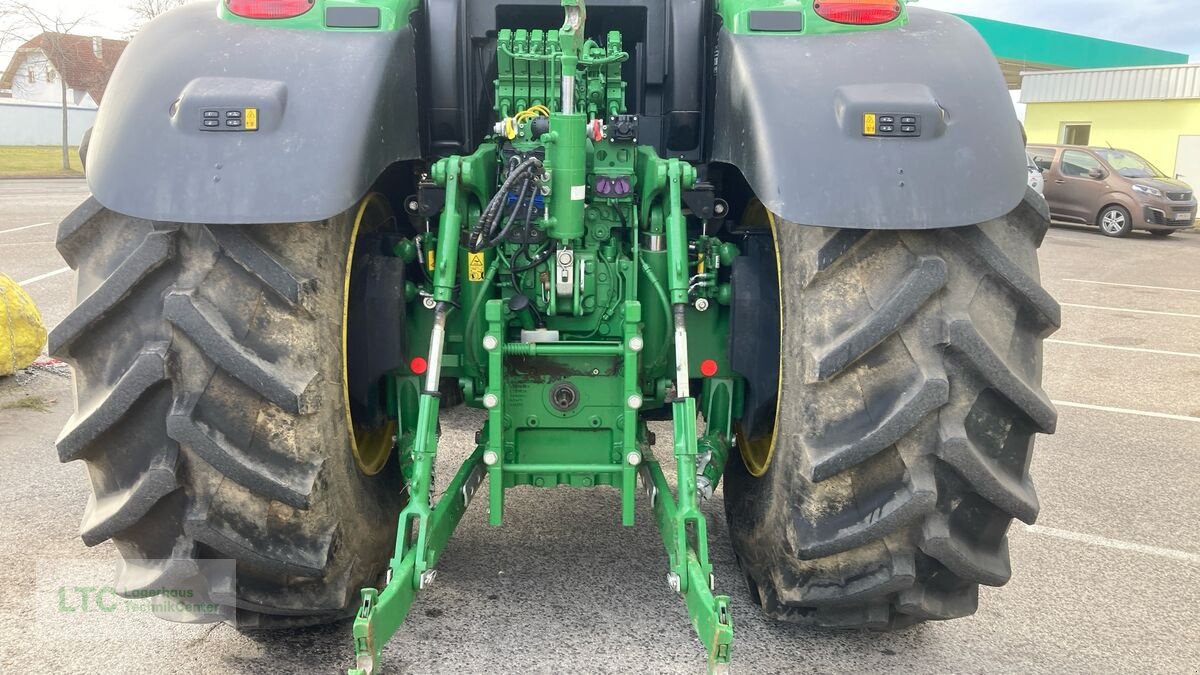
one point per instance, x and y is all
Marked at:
(22, 334)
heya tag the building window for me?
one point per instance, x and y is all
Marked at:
(50, 74)
(31, 75)
(1076, 134)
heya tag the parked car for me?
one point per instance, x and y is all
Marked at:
(1036, 180)
(1116, 190)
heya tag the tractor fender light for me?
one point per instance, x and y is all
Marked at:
(269, 9)
(858, 12)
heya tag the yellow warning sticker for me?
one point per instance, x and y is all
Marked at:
(869, 128)
(475, 266)
(251, 119)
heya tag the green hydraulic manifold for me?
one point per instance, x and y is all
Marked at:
(564, 292)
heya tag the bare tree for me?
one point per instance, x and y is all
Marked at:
(11, 25)
(21, 19)
(147, 10)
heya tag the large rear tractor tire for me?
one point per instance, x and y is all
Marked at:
(909, 398)
(212, 411)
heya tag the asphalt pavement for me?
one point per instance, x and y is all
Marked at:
(1107, 581)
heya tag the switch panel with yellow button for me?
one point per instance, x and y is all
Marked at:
(229, 119)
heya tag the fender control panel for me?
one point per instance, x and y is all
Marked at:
(229, 119)
(891, 125)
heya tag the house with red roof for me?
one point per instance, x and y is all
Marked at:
(39, 66)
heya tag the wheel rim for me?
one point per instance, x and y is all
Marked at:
(371, 447)
(757, 452)
(1113, 221)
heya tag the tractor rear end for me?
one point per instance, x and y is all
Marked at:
(578, 219)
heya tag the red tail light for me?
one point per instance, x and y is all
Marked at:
(860, 13)
(269, 9)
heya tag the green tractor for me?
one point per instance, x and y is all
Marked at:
(317, 223)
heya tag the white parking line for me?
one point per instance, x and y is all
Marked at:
(1127, 411)
(1094, 540)
(47, 275)
(12, 244)
(1122, 349)
(1153, 288)
(1132, 311)
(25, 227)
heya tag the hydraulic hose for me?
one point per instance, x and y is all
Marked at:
(664, 302)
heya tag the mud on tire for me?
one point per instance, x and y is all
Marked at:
(910, 395)
(211, 414)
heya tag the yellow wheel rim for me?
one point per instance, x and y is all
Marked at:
(757, 452)
(371, 447)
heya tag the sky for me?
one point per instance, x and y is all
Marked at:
(1165, 24)
(1173, 25)
(109, 18)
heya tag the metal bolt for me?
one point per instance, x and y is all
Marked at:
(634, 401)
(490, 458)
(701, 304)
(490, 342)
(673, 581)
(636, 343)
(491, 401)
(427, 578)
(429, 302)
(633, 458)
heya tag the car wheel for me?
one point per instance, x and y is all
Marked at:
(1115, 221)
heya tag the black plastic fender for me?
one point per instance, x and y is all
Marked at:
(334, 110)
(789, 113)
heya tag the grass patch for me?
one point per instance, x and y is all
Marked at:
(35, 403)
(37, 161)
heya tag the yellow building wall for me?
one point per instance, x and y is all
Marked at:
(1149, 128)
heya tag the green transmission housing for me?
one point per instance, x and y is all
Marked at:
(570, 275)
